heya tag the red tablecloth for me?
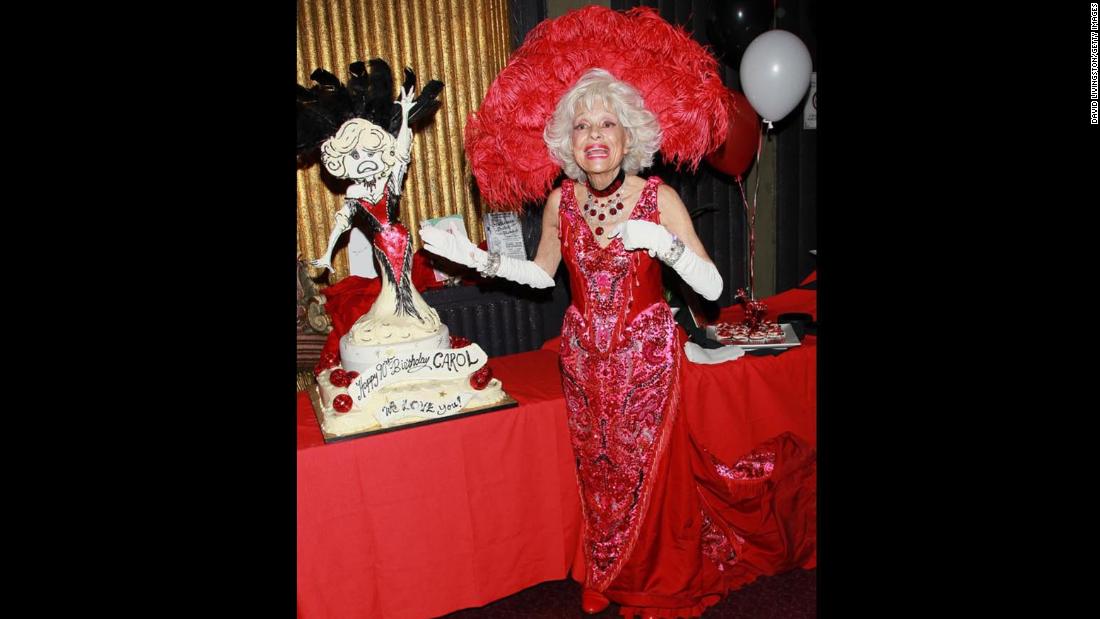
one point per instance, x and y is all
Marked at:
(428, 520)
(734, 406)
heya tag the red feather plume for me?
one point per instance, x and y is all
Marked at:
(677, 78)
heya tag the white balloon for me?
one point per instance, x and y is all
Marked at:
(775, 73)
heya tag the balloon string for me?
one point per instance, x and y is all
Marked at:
(750, 216)
(752, 225)
(745, 201)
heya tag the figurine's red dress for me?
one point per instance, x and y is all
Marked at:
(667, 529)
(390, 240)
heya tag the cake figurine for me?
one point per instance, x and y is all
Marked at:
(396, 363)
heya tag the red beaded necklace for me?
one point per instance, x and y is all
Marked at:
(596, 209)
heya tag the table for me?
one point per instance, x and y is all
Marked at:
(428, 520)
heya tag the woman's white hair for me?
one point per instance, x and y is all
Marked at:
(643, 133)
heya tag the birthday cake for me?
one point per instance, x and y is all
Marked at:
(395, 368)
(397, 364)
(385, 385)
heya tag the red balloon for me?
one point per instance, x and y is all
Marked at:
(737, 152)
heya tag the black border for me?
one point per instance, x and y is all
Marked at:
(947, 133)
(206, 178)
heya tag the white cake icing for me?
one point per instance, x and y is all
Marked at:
(364, 416)
(404, 371)
(383, 325)
(404, 379)
(378, 335)
(362, 355)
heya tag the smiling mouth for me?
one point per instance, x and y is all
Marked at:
(596, 152)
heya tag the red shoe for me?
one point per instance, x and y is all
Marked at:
(593, 601)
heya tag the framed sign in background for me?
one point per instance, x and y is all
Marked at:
(809, 111)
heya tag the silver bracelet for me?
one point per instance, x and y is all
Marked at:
(492, 266)
(673, 254)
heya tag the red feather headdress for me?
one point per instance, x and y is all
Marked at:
(677, 78)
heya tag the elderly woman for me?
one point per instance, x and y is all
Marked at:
(667, 528)
(620, 352)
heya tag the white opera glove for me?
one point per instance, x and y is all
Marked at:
(523, 272)
(701, 275)
(455, 247)
(710, 356)
(638, 234)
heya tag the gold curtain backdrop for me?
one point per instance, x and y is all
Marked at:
(463, 43)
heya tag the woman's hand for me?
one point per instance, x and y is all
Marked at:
(453, 245)
(674, 250)
(638, 234)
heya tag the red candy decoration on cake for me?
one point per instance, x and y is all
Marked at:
(342, 403)
(457, 341)
(481, 378)
(339, 378)
(352, 375)
(328, 360)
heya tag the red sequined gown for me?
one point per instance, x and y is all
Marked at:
(667, 529)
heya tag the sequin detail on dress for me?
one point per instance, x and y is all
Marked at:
(619, 367)
(717, 547)
(756, 465)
